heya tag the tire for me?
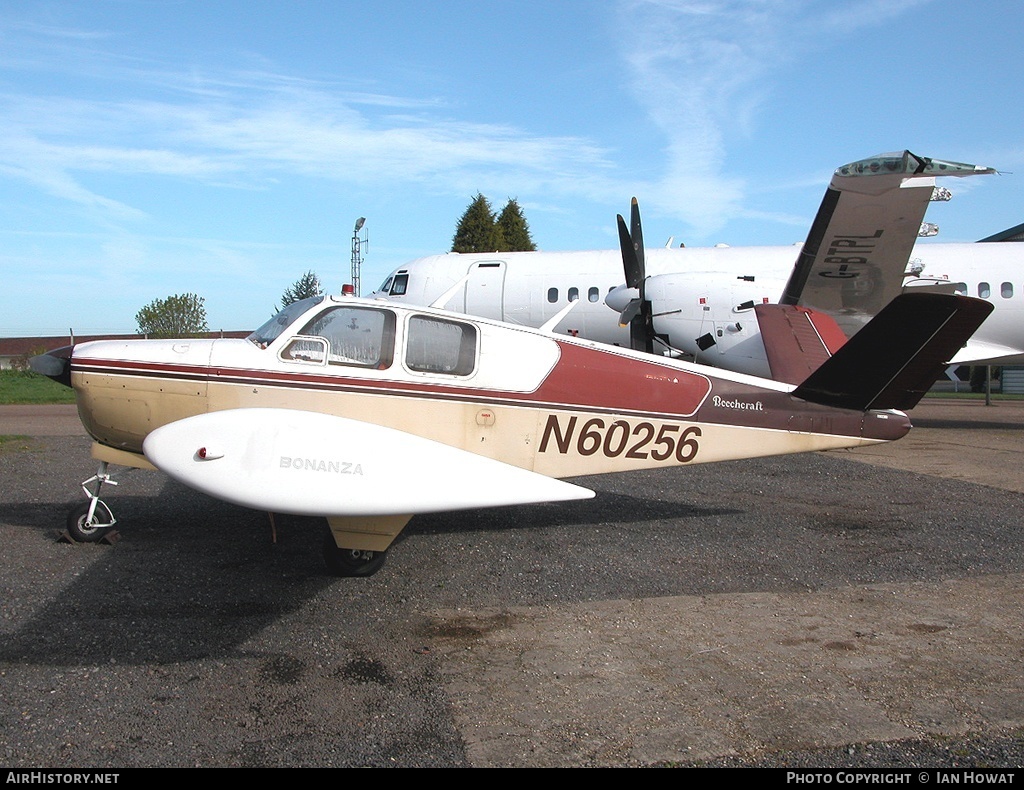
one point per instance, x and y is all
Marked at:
(81, 530)
(351, 562)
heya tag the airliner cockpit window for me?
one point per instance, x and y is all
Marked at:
(438, 346)
(359, 336)
(400, 284)
(271, 330)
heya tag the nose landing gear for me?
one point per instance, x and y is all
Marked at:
(92, 521)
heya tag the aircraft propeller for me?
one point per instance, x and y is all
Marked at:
(55, 364)
(637, 311)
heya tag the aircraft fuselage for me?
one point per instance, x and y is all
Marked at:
(699, 293)
(558, 406)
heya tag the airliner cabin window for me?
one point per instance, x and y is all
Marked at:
(593, 294)
(1006, 290)
(435, 345)
(552, 295)
(357, 336)
(574, 294)
(960, 288)
(984, 290)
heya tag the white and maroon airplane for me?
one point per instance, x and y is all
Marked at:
(367, 412)
(697, 302)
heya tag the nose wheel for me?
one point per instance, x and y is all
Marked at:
(91, 521)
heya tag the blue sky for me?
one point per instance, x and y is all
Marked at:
(154, 147)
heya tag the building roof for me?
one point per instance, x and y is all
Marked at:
(17, 346)
(1016, 233)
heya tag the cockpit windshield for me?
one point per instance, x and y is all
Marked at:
(395, 285)
(271, 330)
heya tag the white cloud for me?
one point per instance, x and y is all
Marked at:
(254, 139)
(702, 69)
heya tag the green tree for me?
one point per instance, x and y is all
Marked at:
(181, 315)
(477, 230)
(306, 286)
(515, 231)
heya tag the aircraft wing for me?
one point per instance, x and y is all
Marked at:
(314, 464)
(977, 352)
(858, 247)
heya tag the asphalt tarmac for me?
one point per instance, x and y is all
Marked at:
(838, 609)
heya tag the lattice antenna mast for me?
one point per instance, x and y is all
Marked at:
(358, 242)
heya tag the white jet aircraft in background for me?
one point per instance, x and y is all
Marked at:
(698, 303)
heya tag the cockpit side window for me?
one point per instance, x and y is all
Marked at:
(435, 345)
(399, 285)
(358, 336)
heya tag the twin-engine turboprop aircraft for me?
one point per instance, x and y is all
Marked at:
(368, 412)
(698, 303)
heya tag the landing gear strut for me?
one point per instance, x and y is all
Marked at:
(351, 562)
(89, 522)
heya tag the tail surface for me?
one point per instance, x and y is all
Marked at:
(797, 341)
(894, 360)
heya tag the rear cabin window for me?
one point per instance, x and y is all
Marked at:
(438, 346)
(356, 336)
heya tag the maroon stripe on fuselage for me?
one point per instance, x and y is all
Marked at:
(602, 380)
(583, 380)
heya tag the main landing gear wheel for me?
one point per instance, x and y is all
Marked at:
(351, 562)
(83, 529)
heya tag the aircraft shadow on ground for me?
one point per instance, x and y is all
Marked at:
(193, 577)
(606, 507)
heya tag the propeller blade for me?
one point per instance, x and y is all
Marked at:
(636, 234)
(637, 312)
(56, 364)
(632, 311)
(631, 264)
(641, 337)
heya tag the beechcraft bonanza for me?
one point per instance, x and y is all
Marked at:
(698, 303)
(367, 412)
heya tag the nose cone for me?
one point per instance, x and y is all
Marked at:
(620, 296)
(55, 364)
